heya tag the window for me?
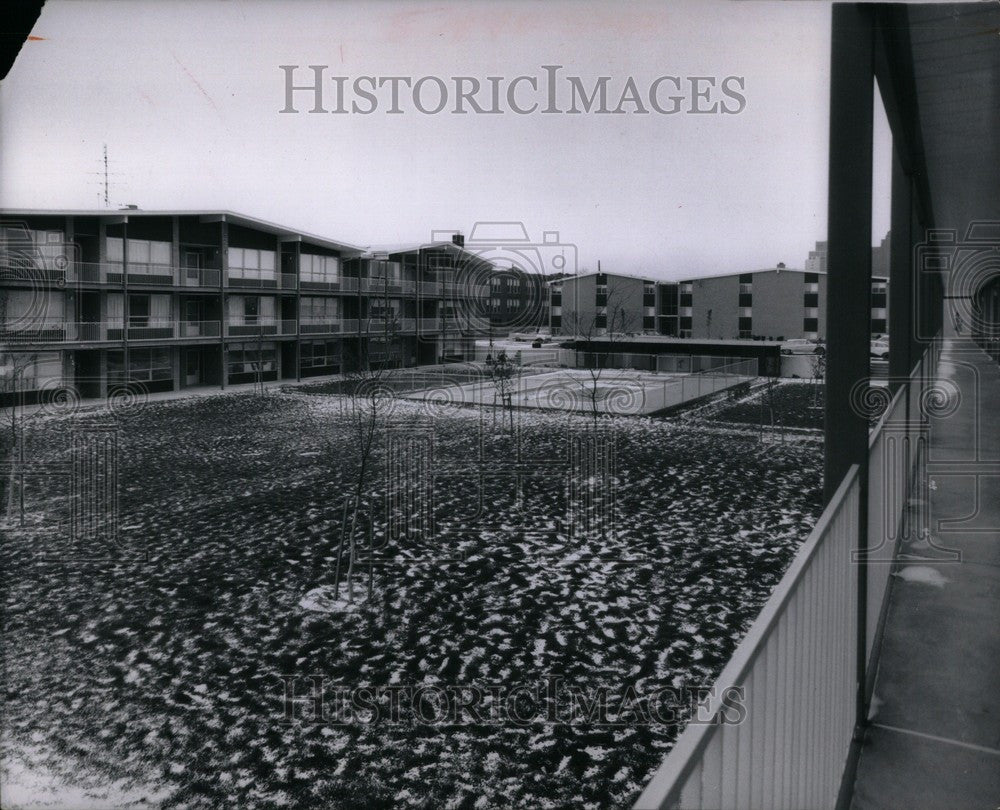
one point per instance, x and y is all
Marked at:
(48, 247)
(138, 310)
(746, 300)
(811, 278)
(248, 358)
(324, 269)
(145, 365)
(320, 353)
(250, 309)
(319, 309)
(251, 264)
(745, 327)
(810, 299)
(687, 299)
(686, 325)
(810, 325)
(746, 278)
(601, 321)
(145, 257)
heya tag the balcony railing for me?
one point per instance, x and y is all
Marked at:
(101, 331)
(261, 327)
(320, 326)
(797, 668)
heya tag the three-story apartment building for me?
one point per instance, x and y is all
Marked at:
(777, 303)
(165, 300)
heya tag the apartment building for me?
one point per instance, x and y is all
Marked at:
(518, 300)
(777, 303)
(167, 300)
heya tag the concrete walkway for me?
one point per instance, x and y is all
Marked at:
(934, 741)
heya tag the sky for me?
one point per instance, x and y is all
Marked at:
(186, 96)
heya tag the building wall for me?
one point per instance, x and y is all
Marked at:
(581, 312)
(715, 307)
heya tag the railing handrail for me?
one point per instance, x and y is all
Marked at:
(668, 781)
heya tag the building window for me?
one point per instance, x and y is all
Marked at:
(250, 309)
(319, 309)
(248, 358)
(251, 264)
(601, 321)
(324, 353)
(145, 365)
(811, 278)
(145, 257)
(746, 278)
(686, 325)
(810, 325)
(746, 300)
(323, 269)
(810, 299)
(745, 327)
(687, 299)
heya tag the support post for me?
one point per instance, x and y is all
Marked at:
(901, 276)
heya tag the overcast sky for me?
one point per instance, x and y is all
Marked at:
(187, 97)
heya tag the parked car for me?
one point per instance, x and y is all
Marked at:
(536, 343)
(879, 347)
(802, 346)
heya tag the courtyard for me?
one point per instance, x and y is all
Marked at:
(159, 663)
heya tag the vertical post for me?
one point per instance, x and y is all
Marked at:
(126, 315)
(849, 214)
(223, 280)
(901, 276)
(297, 269)
(849, 237)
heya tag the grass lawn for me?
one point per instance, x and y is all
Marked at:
(795, 404)
(164, 663)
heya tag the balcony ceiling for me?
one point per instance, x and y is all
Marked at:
(956, 60)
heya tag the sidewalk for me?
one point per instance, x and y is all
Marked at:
(934, 740)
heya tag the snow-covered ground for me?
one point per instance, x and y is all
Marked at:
(158, 665)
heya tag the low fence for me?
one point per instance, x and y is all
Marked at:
(798, 665)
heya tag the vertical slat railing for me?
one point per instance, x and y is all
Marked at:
(798, 661)
(795, 665)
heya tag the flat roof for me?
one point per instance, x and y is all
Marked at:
(229, 216)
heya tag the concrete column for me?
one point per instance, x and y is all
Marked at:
(223, 280)
(901, 275)
(849, 235)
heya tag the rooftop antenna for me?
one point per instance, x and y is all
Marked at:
(105, 178)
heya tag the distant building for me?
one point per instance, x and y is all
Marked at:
(777, 303)
(816, 263)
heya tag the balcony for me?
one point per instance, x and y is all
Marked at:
(110, 273)
(322, 326)
(56, 332)
(796, 670)
(261, 327)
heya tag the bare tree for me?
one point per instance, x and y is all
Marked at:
(817, 364)
(14, 366)
(611, 326)
(504, 372)
(369, 402)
